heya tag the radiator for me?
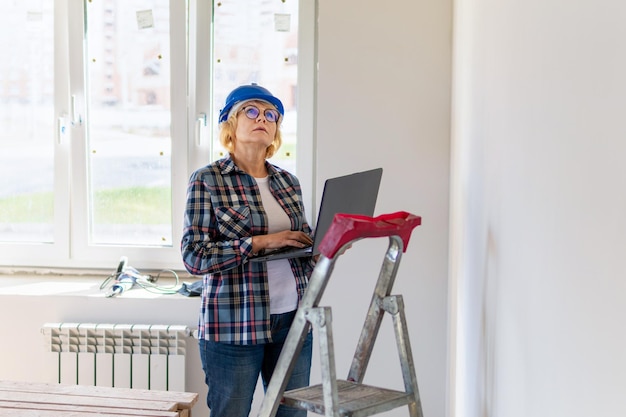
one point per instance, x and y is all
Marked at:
(117, 355)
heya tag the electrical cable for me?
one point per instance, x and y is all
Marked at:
(150, 284)
(126, 277)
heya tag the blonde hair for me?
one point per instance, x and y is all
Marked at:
(229, 127)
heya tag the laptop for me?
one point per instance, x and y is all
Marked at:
(351, 194)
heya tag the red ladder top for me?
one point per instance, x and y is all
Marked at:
(348, 227)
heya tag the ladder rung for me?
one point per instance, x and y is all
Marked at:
(354, 399)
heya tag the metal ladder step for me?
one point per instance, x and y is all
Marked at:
(355, 400)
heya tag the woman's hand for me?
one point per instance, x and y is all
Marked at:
(279, 240)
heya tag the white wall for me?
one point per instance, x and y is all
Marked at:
(539, 232)
(383, 99)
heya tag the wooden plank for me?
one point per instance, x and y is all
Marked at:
(106, 402)
(19, 406)
(184, 400)
(53, 413)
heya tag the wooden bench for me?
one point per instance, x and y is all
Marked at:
(27, 399)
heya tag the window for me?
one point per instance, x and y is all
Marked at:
(253, 41)
(108, 105)
(27, 118)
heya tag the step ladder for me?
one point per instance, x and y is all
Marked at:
(350, 397)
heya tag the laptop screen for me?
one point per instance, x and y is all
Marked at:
(350, 194)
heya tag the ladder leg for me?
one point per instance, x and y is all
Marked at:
(374, 318)
(395, 306)
(321, 319)
(284, 366)
(295, 338)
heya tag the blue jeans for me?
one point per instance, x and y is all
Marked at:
(231, 371)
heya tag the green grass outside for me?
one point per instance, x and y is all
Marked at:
(137, 205)
(33, 208)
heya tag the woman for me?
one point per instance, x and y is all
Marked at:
(237, 207)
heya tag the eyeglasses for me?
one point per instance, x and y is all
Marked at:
(252, 112)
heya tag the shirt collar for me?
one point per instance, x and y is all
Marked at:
(227, 166)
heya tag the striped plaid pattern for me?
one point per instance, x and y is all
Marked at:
(223, 211)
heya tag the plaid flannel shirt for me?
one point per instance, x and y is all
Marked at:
(222, 213)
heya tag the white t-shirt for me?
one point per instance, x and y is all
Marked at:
(282, 283)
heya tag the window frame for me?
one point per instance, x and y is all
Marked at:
(191, 71)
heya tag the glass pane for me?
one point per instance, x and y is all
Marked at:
(129, 142)
(257, 41)
(27, 120)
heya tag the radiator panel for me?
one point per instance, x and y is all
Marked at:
(117, 355)
(104, 365)
(122, 370)
(86, 364)
(68, 368)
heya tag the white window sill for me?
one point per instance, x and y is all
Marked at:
(81, 283)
